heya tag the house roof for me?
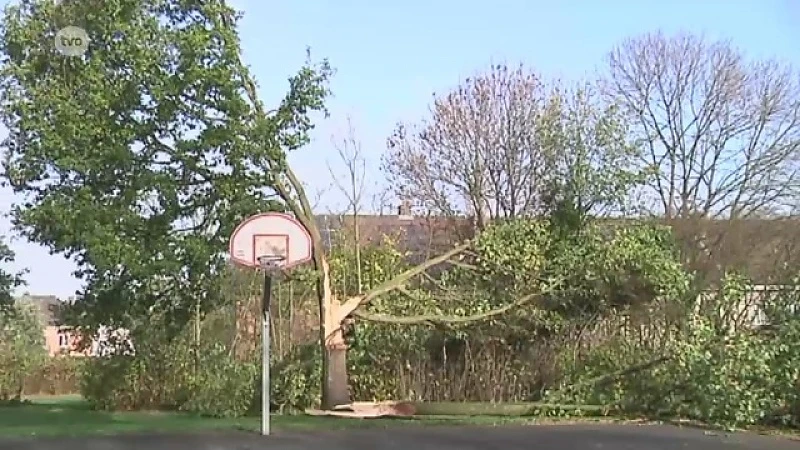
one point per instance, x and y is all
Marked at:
(48, 305)
(422, 236)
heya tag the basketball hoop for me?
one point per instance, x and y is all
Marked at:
(271, 263)
(272, 242)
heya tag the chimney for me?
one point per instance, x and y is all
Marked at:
(404, 210)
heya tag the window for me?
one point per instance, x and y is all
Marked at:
(63, 339)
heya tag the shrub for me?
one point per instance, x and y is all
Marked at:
(58, 376)
(172, 374)
(223, 387)
(718, 373)
(22, 350)
(295, 380)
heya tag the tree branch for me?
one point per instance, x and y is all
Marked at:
(353, 303)
(436, 319)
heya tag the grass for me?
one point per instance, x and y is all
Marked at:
(71, 416)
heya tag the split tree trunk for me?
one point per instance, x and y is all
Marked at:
(335, 380)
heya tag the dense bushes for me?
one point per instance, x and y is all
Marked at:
(712, 371)
(295, 379)
(623, 329)
(176, 373)
(57, 376)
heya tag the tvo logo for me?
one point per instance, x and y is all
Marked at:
(72, 41)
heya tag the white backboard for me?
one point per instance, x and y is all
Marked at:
(270, 234)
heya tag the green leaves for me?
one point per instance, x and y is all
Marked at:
(22, 349)
(603, 266)
(592, 165)
(139, 158)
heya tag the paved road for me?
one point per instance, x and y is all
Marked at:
(561, 437)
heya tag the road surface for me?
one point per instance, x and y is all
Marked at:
(545, 437)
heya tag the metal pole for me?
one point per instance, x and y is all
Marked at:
(265, 343)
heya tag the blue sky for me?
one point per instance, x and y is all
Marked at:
(391, 56)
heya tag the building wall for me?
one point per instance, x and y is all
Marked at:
(60, 341)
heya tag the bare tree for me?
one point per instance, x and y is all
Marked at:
(477, 154)
(381, 200)
(722, 133)
(501, 145)
(349, 150)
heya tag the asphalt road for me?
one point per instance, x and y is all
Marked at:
(560, 437)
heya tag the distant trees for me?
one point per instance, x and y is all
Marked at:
(504, 144)
(722, 132)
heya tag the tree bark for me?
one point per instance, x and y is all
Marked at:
(335, 379)
(337, 383)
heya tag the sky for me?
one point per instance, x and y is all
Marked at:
(391, 56)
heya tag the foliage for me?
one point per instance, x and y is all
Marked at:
(511, 255)
(120, 163)
(711, 372)
(504, 144)
(296, 379)
(155, 377)
(173, 373)
(22, 349)
(591, 164)
(603, 266)
(8, 280)
(606, 267)
(379, 263)
(58, 376)
(222, 386)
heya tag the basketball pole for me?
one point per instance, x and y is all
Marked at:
(265, 344)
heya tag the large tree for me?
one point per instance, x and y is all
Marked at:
(721, 130)
(129, 157)
(722, 133)
(503, 144)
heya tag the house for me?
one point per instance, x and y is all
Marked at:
(422, 236)
(61, 340)
(751, 311)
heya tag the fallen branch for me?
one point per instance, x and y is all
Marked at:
(349, 306)
(463, 265)
(613, 376)
(437, 319)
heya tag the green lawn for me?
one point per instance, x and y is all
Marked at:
(70, 416)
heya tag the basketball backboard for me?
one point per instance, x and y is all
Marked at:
(277, 237)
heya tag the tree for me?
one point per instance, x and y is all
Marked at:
(8, 280)
(22, 347)
(310, 88)
(349, 150)
(129, 157)
(502, 145)
(722, 132)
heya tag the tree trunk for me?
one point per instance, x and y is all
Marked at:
(335, 381)
(336, 390)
